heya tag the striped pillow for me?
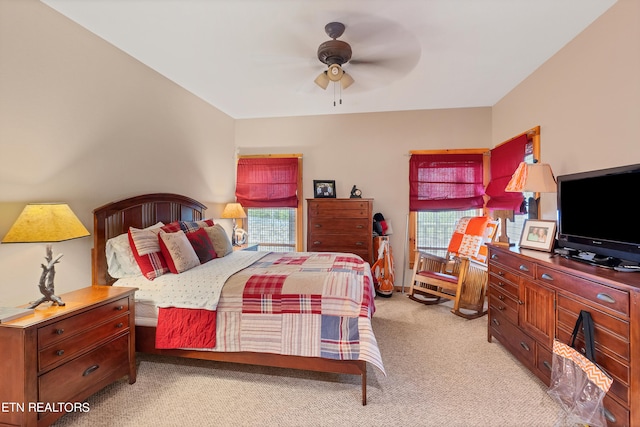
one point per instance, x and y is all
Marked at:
(146, 251)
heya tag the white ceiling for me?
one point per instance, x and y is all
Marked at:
(257, 58)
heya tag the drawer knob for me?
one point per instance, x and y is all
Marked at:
(546, 276)
(501, 273)
(317, 242)
(359, 243)
(523, 267)
(494, 256)
(318, 225)
(606, 298)
(501, 284)
(501, 307)
(59, 331)
(520, 302)
(119, 325)
(90, 370)
(59, 352)
(496, 322)
(119, 308)
(609, 416)
(525, 346)
(501, 297)
(547, 364)
(360, 226)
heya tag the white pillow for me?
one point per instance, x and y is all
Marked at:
(120, 260)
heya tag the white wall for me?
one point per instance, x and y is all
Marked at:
(83, 123)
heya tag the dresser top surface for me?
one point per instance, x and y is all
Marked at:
(74, 301)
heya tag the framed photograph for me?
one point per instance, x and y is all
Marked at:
(538, 234)
(324, 188)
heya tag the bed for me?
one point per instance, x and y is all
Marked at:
(252, 300)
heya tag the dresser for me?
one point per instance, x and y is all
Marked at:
(536, 296)
(53, 359)
(340, 225)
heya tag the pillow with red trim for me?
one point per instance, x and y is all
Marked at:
(201, 243)
(177, 251)
(146, 251)
(468, 236)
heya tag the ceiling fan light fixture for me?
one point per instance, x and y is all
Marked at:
(322, 80)
(334, 73)
(346, 80)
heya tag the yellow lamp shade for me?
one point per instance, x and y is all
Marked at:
(45, 222)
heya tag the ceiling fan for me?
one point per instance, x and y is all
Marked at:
(334, 53)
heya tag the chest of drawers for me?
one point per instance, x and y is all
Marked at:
(59, 356)
(340, 225)
(534, 297)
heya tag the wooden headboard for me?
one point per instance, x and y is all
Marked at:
(142, 211)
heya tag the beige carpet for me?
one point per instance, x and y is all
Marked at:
(441, 372)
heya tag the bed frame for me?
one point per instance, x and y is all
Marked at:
(142, 211)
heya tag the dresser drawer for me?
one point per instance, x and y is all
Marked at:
(544, 362)
(339, 243)
(503, 303)
(359, 226)
(48, 335)
(522, 266)
(64, 350)
(610, 333)
(339, 208)
(509, 335)
(603, 296)
(615, 414)
(504, 279)
(75, 376)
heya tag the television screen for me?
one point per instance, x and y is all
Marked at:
(597, 212)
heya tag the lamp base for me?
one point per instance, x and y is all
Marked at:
(46, 280)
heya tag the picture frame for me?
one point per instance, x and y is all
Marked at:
(324, 189)
(538, 234)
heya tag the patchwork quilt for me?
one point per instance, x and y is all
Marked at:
(313, 304)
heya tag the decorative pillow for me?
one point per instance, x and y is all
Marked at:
(468, 236)
(177, 251)
(490, 234)
(221, 243)
(120, 260)
(201, 243)
(187, 226)
(146, 251)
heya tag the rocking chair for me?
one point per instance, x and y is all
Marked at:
(461, 276)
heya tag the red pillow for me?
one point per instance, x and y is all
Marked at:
(146, 251)
(187, 226)
(201, 243)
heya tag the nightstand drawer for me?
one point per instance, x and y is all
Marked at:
(63, 383)
(64, 350)
(58, 331)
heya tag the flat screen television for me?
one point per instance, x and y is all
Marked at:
(599, 217)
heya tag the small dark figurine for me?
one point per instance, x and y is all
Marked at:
(356, 193)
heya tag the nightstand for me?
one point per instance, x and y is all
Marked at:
(246, 247)
(61, 355)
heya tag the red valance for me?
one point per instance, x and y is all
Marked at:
(267, 182)
(445, 182)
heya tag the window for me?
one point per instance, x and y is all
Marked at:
(444, 186)
(434, 229)
(273, 229)
(269, 188)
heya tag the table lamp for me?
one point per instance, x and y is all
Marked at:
(235, 211)
(532, 177)
(46, 222)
